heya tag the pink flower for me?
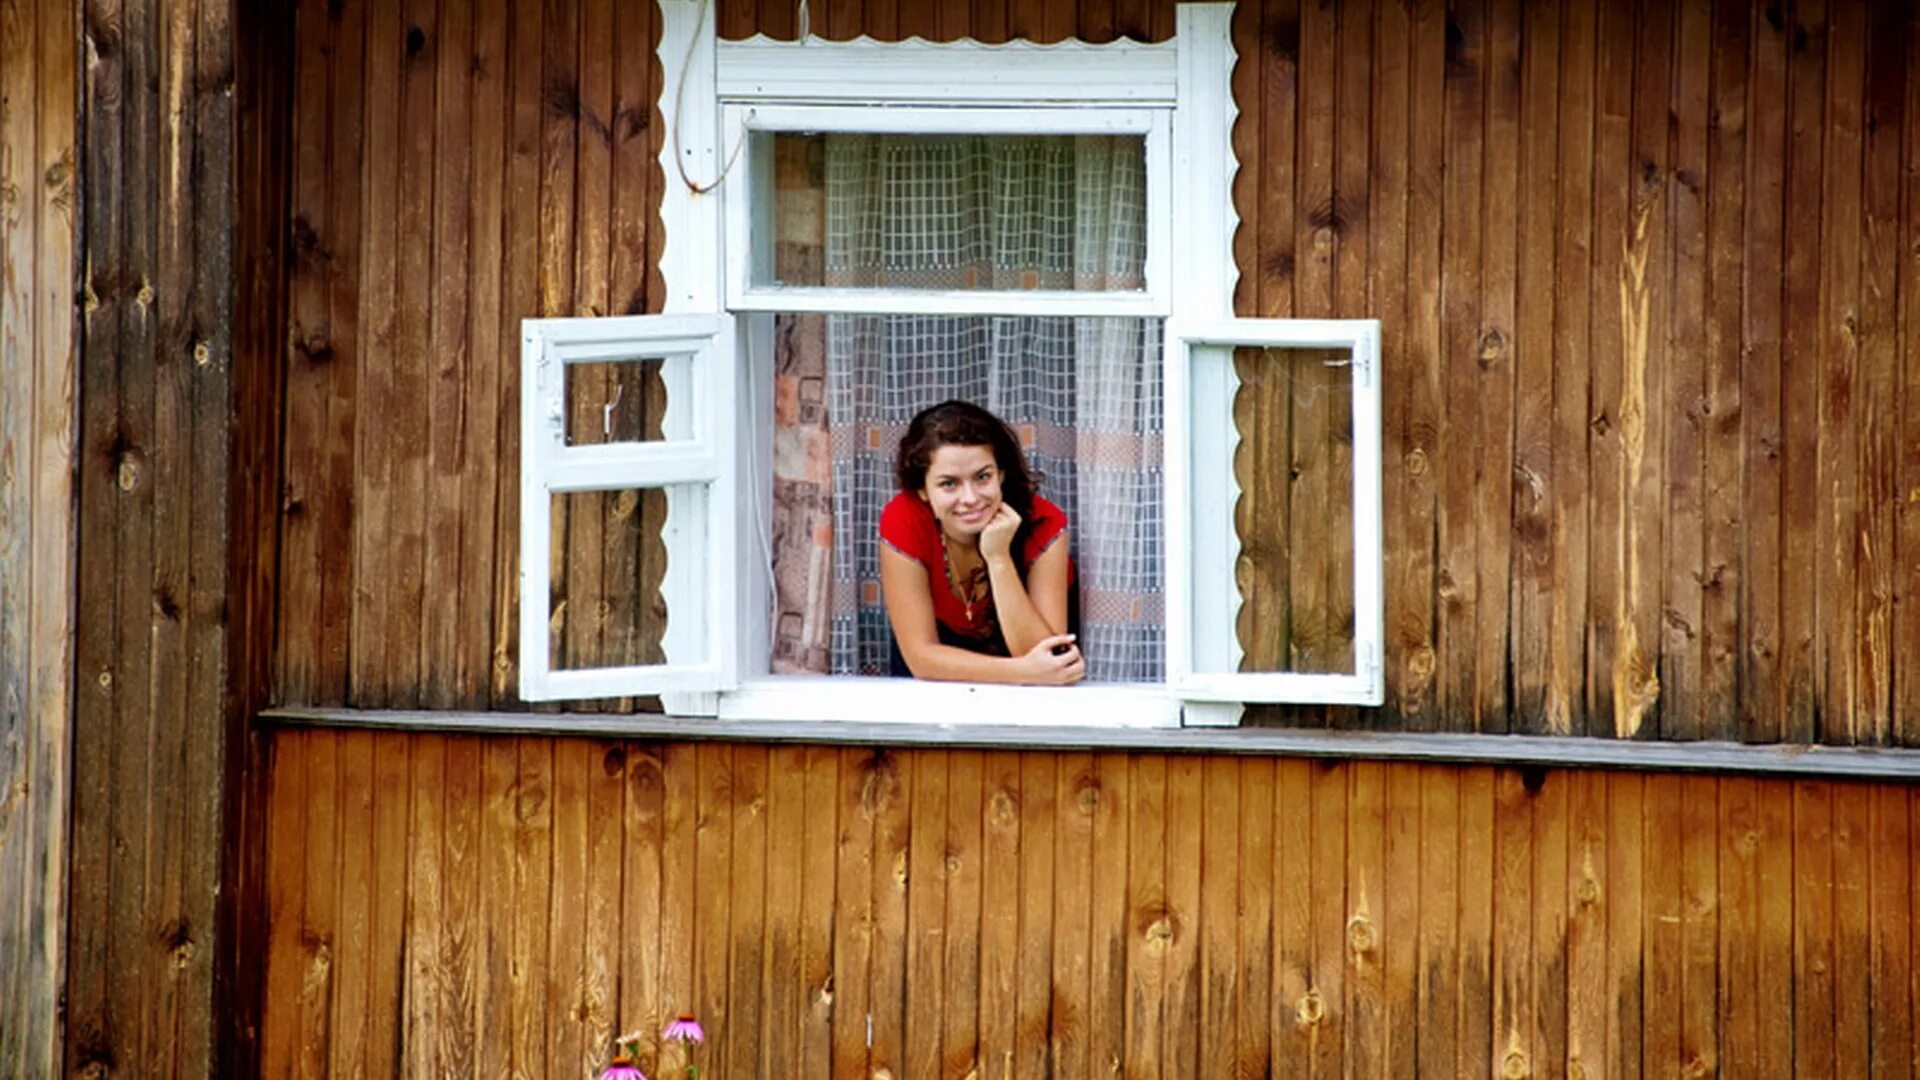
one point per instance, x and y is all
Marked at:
(622, 1068)
(685, 1028)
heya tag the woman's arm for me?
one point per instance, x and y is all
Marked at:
(1034, 609)
(910, 609)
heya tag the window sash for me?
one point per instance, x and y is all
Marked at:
(1203, 597)
(749, 225)
(698, 353)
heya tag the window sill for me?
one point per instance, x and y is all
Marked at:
(825, 699)
(1543, 751)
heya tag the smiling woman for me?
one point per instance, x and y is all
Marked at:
(973, 563)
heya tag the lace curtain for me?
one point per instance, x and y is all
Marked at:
(1083, 394)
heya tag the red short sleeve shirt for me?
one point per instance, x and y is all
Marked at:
(907, 525)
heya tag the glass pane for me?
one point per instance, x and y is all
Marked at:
(1293, 416)
(609, 561)
(621, 401)
(968, 212)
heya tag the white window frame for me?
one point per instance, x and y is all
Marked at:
(748, 220)
(697, 453)
(1203, 548)
(1176, 94)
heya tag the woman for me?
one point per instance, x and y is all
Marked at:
(974, 564)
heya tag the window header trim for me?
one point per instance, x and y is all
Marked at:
(869, 72)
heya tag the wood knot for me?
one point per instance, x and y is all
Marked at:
(1159, 935)
(1417, 463)
(202, 355)
(1587, 892)
(1360, 936)
(615, 761)
(953, 862)
(1514, 1066)
(1421, 662)
(1493, 345)
(1311, 1008)
(1002, 806)
(144, 298)
(1088, 797)
(128, 474)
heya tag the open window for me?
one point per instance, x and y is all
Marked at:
(894, 225)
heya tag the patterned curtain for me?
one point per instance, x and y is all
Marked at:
(1083, 394)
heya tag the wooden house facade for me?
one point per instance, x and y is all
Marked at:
(1640, 800)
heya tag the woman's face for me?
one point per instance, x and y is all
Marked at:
(963, 488)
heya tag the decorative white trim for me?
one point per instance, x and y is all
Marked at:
(868, 72)
(1204, 219)
(691, 256)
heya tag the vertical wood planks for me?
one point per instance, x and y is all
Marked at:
(783, 979)
(966, 880)
(1341, 918)
(39, 482)
(1077, 797)
(1185, 817)
(853, 939)
(999, 912)
(1762, 691)
(1220, 870)
(1800, 512)
(1540, 687)
(926, 876)
(1149, 922)
(1110, 916)
(1683, 706)
(1724, 407)
(1033, 983)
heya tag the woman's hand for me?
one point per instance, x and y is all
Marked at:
(996, 540)
(1055, 661)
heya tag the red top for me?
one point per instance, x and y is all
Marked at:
(908, 526)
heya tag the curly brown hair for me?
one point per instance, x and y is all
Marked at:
(962, 423)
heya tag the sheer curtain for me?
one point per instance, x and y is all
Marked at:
(1083, 394)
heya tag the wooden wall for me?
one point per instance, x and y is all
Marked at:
(443, 905)
(38, 370)
(1646, 274)
(176, 492)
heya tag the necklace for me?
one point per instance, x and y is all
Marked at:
(972, 590)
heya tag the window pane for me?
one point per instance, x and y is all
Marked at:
(608, 562)
(956, 212)
(619, 401)
(1293, 415)
(1082, 395)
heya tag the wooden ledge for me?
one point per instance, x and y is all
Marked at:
(1543, 751)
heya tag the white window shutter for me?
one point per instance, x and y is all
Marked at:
(1203, 597)
(695, 463)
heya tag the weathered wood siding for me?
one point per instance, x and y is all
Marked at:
(1647, 275)
(176, 483)
(39, 95)
(443, 906)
